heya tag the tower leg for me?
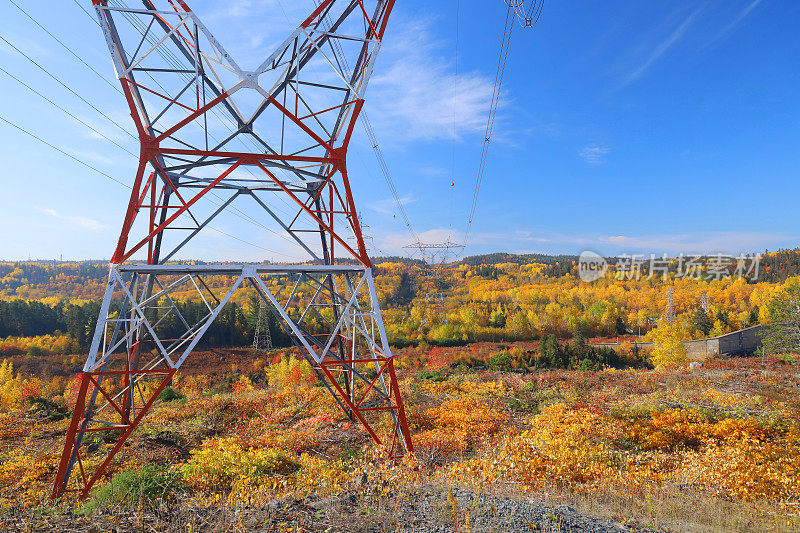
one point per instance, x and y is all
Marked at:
(136, 352)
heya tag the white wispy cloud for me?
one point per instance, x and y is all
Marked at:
(76, 220)
(595, 154)
(397, 242)
(118, 158)
(413, 93)
(713, 242)
(736, 21)
(388, 206)
(662, 47)
(695, 243)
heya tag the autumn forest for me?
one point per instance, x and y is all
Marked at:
(522, 378)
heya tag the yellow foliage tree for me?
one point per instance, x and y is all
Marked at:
(289, 372)
(10, 390)
(667, 347)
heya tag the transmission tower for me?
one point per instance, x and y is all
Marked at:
(435, 256)
(262, 340)
(216, 138)
(365, 236)
(669, 314)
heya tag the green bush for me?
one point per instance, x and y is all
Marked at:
(501, 361)
(36, 351)
(434, 375)
(44, 409)
(146, 486)
(169, 394)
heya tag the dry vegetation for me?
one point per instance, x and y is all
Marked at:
(244, 441)
(717, 448)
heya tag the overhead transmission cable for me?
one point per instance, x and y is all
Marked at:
(341, 58)
(67, 87)
(455, 116)
(65, 47)
(77, 3)
(92, 129)
(57, 149)
(386, 174)
(115, 180)
(498, 83)
(527, 19)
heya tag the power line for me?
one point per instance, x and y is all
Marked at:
(341, 58)
(67, 48)
(26, 56)
(386, 174)
(7, 73)
(498, 82)
(455, 113)
(23, 130)
(108, 176)
(87, 13)
(529, 18)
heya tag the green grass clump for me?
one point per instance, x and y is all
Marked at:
(148, 486)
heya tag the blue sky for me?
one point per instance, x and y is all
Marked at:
(637, 126)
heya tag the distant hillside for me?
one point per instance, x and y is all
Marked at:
(520, 259)
(86, 279)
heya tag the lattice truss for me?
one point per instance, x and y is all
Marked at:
(213, 132)
(145, 336)
(434, 258)
(209, 128)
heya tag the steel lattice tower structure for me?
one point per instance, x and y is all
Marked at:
(669, 313)
(213, 134)
(262, 339)
(434, 257)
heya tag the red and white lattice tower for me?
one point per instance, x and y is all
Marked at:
(214, 137)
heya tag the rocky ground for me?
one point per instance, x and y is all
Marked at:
(429, 509)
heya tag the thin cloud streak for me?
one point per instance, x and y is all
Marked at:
(672, 244)
(83, 222)
(594, 154)
(739, 18)
(662, 48)
(388, 206)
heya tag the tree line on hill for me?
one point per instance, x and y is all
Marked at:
(577, 354)
(234, 326)
(20, 318)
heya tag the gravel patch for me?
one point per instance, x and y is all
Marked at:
(429, 509)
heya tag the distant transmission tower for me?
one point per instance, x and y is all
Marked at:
(262, 340)
(669, 314)
(435, 256)
(274, 139)
(365, 236)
